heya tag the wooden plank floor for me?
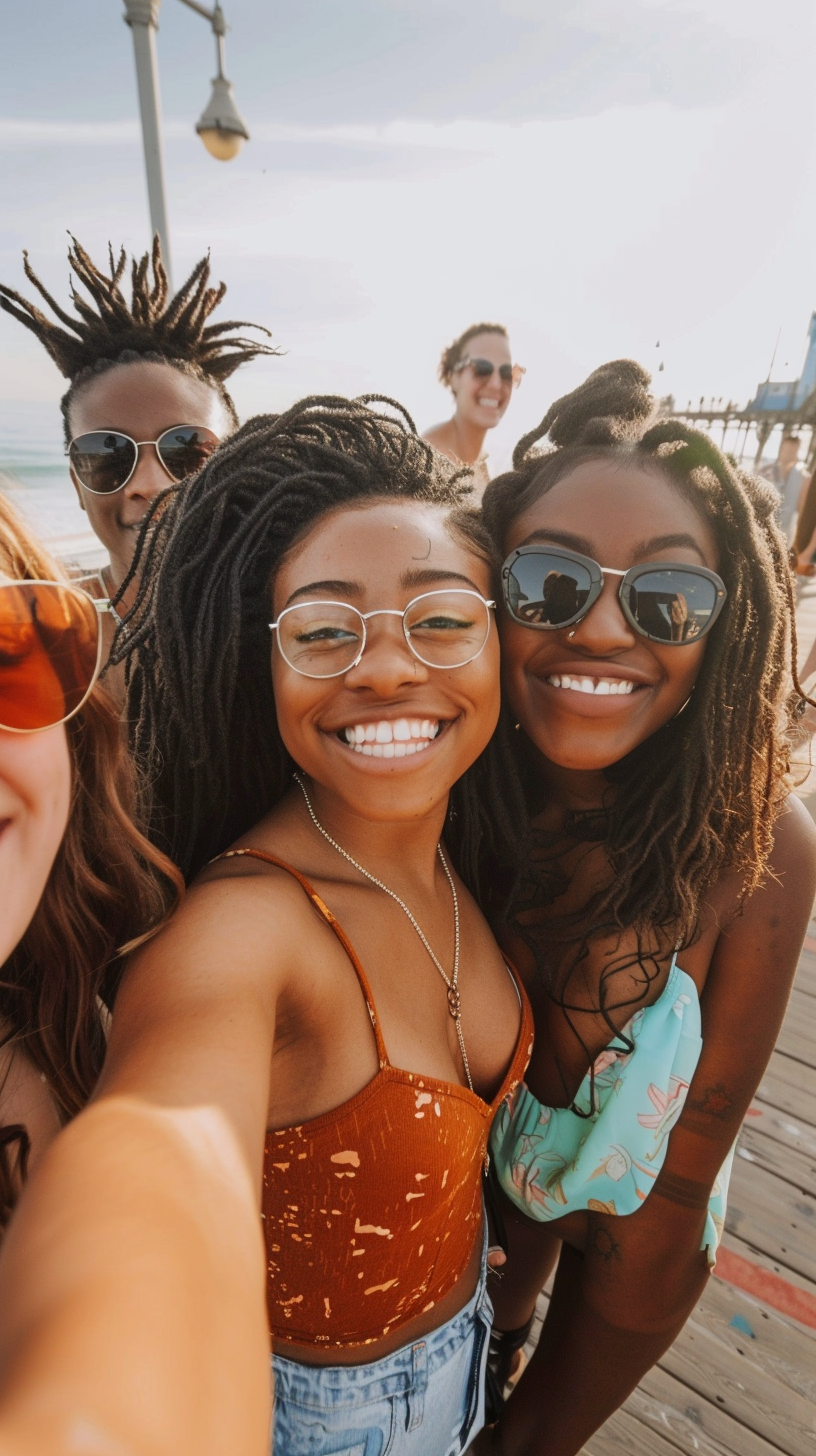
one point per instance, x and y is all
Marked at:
(740, 1380)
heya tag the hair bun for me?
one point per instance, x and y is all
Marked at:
(617, 394)
(613, 403)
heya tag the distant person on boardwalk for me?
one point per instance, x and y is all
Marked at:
(666, 889)
(77, 879)
(147, 403)
(478, 369)
(786, 476)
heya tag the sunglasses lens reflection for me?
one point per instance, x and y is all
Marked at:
(672, 606)
(49, 638)
(185, 448)
(546, 591)
(103, 460)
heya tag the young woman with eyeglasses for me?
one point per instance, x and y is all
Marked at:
(646, 638)
(479, 371)
(146, 403)
(315, 686)
(77, 879)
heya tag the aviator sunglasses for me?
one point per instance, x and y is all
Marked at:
(104, 460)
(547, 588)
(325, 639)
(50, 653)
(483, 369)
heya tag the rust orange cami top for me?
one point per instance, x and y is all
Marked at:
(372, 1211)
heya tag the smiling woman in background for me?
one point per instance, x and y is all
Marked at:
(479, 371)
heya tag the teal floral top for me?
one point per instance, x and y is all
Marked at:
(550, 1161)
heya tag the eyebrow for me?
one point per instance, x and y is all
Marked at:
(642, 551)
(428, 576)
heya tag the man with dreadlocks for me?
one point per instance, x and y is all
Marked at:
(146, 403)
(647, 626)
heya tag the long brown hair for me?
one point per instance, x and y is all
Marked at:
(108, 889)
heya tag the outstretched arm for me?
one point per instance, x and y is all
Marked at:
(132, 1314)
(619, 1304)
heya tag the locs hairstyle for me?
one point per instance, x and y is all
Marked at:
(700, 796)
(109, 331)
(197, 642)
(109, 886)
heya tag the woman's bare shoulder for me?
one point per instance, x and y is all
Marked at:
(239, 913)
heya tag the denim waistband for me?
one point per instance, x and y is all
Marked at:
(408, 1368)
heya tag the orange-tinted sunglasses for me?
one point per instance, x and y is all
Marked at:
(50, 653)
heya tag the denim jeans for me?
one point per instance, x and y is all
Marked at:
(427, 1399)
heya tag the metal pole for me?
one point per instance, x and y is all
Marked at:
(143, 18)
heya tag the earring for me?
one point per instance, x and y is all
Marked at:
(572, 633)
(685, 705)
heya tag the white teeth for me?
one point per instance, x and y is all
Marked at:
(388, 739)
(596, 687)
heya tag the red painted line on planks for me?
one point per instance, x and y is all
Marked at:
(771, 1288)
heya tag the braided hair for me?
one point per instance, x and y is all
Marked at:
(153, 327)
(700, 796)
(455, 351)
(197, 643)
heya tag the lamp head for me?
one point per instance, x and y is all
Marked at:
(220, 125)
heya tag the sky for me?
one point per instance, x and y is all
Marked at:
(606, 177)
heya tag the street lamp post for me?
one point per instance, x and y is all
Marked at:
(220, 126)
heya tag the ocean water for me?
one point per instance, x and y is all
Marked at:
(34, 475)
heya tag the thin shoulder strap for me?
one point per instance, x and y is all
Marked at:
(323, 910)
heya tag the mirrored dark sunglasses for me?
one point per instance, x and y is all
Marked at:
(104, 460)
(50, 649)
(672, 603)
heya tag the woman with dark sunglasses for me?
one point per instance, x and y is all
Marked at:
(77, 879)
(480, 373)
(146, 403)
(666, 889)
(316, 672)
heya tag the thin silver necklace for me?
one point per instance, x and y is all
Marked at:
(452, 982)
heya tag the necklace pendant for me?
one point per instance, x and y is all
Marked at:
(454, 1002)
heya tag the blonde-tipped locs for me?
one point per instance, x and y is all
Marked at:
(109, 330)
